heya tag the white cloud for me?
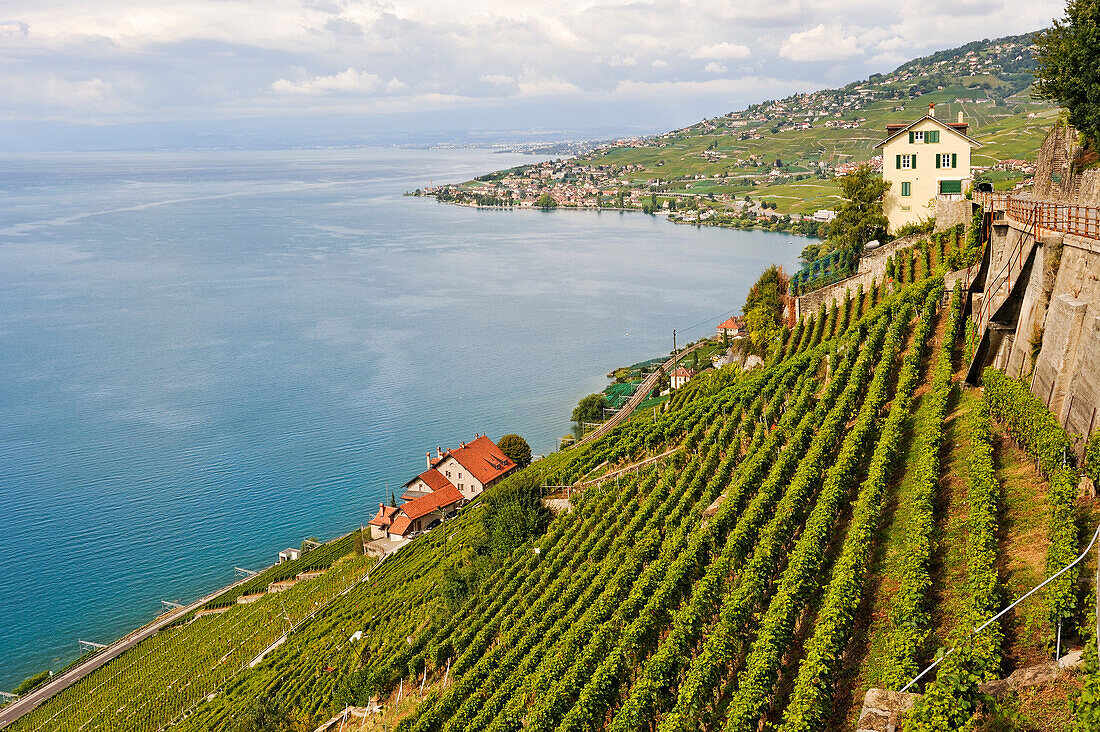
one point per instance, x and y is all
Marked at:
(622, 61)
(820, 43)
(547, 87)
(721, 51)
(201, 59)
(348, 81)
(12, 29)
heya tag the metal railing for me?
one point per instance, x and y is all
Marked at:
(1064, 218)
(1026, 595)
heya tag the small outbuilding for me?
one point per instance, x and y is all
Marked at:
(289, 555)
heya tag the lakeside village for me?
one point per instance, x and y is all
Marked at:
(697, 191)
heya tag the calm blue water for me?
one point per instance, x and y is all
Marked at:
(207, 357)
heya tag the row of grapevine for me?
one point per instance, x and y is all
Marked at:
(810, 700)
(800, 580)
(432, 711)
(909, 617)
(712, 661)
(1035, 429)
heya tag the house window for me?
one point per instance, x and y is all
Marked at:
(907, 162)
(947, 160)
(951, 186)
(932, 136)
(918, 136)
(448, 474)
(906, 188)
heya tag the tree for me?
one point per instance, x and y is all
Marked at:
(860, 218)
(764, 306)
(1068, 71)
(590, 408)
(393, 500)
(546, 201)
(516, 448)
(512, 514)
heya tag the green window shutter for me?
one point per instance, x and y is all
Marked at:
(910, 137)
(937, 161)
(899, 162)
(905, 188)
(950, 186)
(954, 160)
(932, 136)
(914, 161)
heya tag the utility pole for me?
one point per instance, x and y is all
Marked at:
(674, 340)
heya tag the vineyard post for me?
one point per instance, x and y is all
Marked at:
(448, 672)
(423, 678)
(400, 688)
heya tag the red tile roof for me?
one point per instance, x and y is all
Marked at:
(731, 324)
(424, 505)
(400, 526)
(483, 459)
(682, 372)
(384, 517)
(432, 478)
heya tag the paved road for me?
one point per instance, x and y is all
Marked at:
(24, 704)
(639, 395)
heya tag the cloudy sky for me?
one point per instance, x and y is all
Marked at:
(634, 64)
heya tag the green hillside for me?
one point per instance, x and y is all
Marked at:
(822, 524)
(787, 152)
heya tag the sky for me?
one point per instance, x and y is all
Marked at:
(73, 68)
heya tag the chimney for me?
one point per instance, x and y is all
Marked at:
(960, 117)
(931, 109)
(439, 452)
(428, 455)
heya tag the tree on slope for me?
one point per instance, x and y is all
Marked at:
(764, 306)
(859, 219)
(590, 409)
(1068, 71)
(516, 448)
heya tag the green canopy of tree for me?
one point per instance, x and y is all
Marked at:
(546, 201)
(1068, 71)
(764, 306)
(31, 682)
(516, 448)
(860, 219)
(512, 514)
(590, 408)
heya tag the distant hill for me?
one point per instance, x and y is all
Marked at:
(787, 152)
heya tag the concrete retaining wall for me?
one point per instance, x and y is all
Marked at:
(872, 267)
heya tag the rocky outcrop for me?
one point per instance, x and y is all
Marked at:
(1063, 171)
(883, 710)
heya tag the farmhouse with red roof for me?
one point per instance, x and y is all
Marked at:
(681, 376)
(473, 466)
(731, 328)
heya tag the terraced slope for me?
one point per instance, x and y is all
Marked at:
(725, 585)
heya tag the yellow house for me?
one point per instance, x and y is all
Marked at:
(923, 160)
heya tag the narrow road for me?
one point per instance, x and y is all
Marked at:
(639, 396)
(24, 704)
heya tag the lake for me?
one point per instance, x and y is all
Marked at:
(206, 357)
